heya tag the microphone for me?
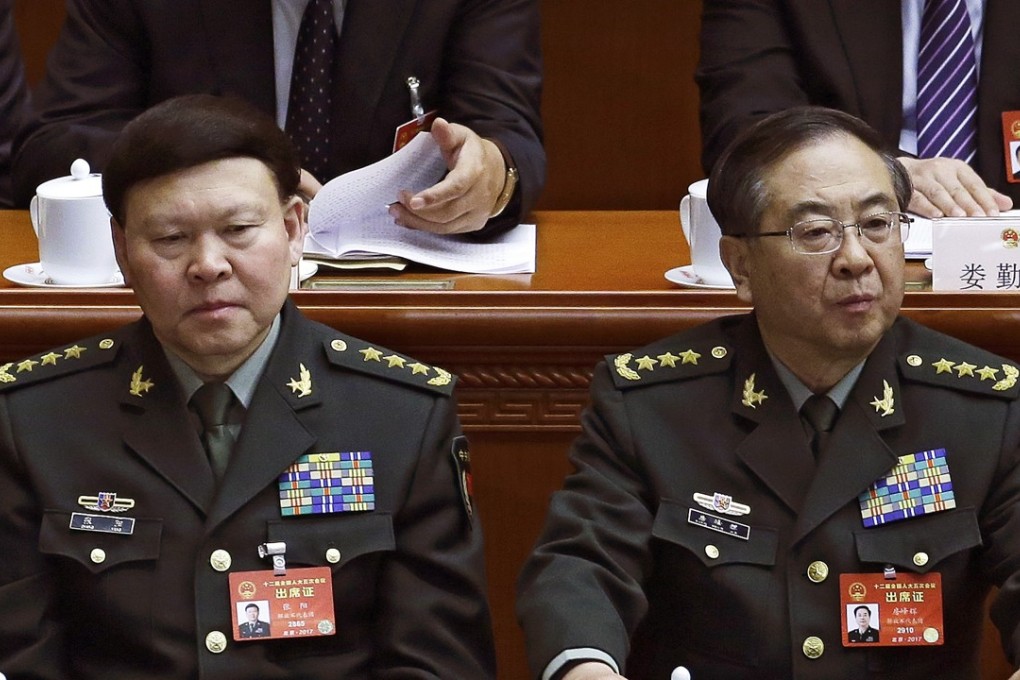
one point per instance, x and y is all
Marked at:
(680, 673)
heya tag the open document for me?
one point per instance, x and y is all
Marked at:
(349, 220)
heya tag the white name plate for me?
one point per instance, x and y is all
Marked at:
(979, 254)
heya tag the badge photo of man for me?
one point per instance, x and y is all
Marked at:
(252, 626)
(230, 435)
(862, 632)
(729, 477)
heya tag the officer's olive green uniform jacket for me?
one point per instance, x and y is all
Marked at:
(620, 568)
(408, 588)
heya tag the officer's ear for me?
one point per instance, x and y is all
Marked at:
(120, 249)
(735, 255)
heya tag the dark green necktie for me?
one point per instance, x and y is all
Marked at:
(820, 412)
(212, 403)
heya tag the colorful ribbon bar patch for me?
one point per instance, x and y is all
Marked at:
(919, 485)
(321, 483)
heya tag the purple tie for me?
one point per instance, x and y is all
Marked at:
(946, 83)
(310, 107)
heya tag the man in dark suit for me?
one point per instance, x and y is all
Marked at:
(253, 627)
(13, 96)
(478, 65)
(137, 517)
(763, 56)
(738, 485)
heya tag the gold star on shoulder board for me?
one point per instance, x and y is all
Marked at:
(690, 357)
(751, 399)
(668, 359)
(646, 363)
(371, 354)
(943, 366)
(963, 368)
(5, 375)
(419, 368)
(50, 359)
(987, 373)
(885, 405)
(301, 387)
(394, 361)
(139, 385)
(73, 352)
(27, 365)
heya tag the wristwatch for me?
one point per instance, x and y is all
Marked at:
(509, 185)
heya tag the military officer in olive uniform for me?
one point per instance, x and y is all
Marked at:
(710, 525)
(137, 522)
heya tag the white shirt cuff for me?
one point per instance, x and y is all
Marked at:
(578, 654)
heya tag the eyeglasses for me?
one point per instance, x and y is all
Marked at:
(825, 235)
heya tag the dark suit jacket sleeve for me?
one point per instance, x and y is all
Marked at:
(13, 96)
(30, 639)
(581, 588)
(95, 84)
(434, 615)
(492, 84)
(747, 69)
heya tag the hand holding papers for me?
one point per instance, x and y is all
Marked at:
(348, 219)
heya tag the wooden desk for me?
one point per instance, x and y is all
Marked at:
(523, 345)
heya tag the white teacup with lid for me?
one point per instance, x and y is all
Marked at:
(703, 234)
(73, 226)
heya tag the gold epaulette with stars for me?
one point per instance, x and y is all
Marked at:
(972, 371)
(668, 360)
(359, 356)
(58, 362)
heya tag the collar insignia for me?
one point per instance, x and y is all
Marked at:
(301, 387)
(139, 385)
(751, 399)
(885, 406)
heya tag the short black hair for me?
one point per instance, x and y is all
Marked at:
(185, 132)
(737, 194)
(864, 607)
(252, 606)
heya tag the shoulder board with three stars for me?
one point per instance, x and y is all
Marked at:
(672, 359)
(360, 356)
(973, 371)
(59, 361)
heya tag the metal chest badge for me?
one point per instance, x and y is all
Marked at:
(324, 483)
(919, 485)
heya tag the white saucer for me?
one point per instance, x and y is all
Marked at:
(33, 276)
(307, 269)
(685, 276)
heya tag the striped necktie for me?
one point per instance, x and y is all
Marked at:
(310, 107)
(946, 83)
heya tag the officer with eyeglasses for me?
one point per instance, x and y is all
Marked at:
(740, 486)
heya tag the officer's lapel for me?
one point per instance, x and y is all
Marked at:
(856, 454)
(156, 422)
(775, 449)
(272, 435)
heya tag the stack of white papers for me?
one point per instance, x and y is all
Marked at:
(349, 219)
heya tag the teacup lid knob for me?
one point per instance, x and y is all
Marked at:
(80, 168)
